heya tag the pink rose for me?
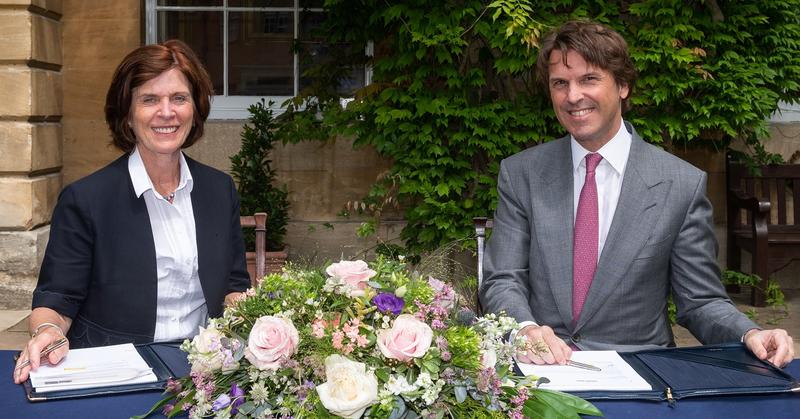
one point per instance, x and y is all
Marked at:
(272, 341)
(408, 338)
(353, 273)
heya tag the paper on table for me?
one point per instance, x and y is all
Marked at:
(615, 374)
(94, 367)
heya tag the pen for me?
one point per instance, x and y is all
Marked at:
(577, 364)
(46, 351)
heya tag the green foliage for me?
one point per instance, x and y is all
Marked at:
(773, 293)
(453, 92)
(251, 167)
(463, 344)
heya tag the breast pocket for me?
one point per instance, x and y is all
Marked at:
(660, 248)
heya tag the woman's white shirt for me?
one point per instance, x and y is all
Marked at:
(181, 306)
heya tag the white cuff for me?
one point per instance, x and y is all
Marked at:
(513, 335)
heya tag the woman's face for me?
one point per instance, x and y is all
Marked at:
(162, 114)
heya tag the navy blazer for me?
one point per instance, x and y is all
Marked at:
(100, 264)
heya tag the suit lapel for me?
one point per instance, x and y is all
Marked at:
(201, 207)
(640, 203)
(554, 225)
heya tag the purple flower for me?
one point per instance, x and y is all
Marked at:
(238, 398)
(388, 303)
(222, 402)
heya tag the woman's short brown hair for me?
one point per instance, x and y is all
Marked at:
(598, 44)
(146, 63)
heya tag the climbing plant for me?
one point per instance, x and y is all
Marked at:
(453, 91)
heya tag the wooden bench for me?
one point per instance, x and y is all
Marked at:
(763, 219)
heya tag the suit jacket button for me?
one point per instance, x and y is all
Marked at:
(576, 338)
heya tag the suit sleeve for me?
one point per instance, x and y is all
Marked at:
(702, 304)
(506, 266)
(67, 266)
(239, 279)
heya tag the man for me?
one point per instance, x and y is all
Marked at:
(593, 231)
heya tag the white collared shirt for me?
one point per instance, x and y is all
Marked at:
(181, 305)
(608, 176)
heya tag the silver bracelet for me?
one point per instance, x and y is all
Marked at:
(46, 324)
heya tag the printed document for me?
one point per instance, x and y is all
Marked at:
(615, 374)
(94, 367)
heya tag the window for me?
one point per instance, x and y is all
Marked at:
(252, 49)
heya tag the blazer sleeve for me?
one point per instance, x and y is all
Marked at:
(702, 304)
(239, 278)
(506, 267)
(66, 270)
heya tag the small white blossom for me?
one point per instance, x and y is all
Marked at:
(398, 385)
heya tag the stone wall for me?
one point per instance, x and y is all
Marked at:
(30, 139)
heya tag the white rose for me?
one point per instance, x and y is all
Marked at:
(488, 358)
(350, 389)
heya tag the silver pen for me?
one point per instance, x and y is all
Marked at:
(581, 365)
(46, 351)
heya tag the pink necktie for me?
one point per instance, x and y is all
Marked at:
(584, 256)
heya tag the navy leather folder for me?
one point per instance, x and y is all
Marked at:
(676, 373)
(166, 359)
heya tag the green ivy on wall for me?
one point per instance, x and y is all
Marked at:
(453, 90)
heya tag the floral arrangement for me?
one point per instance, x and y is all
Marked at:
(357, 340)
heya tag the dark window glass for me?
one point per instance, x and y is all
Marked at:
(314, 51)
(261, 3)
(190, 3)
(260, 56)
(202, 31)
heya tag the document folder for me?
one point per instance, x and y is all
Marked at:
(713, 370)
(166, 359)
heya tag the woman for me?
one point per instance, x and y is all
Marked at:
(147, 248)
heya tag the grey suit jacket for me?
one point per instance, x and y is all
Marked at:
(661, 240)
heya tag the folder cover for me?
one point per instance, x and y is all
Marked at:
(712, 370)
(166, 359)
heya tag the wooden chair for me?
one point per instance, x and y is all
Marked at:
(763, 219)
(481, 225)
(258, 221)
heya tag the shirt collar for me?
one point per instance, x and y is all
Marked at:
(615, 151)
(141, 181)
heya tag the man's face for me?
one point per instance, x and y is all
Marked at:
(586, 99)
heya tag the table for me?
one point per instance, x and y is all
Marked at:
(14, 405)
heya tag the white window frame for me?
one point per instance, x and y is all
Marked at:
(786, 113)
(235, 107)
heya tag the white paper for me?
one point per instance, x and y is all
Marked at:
(94, 367)
(615, 374)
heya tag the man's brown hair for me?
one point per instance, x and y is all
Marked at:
(146, 63)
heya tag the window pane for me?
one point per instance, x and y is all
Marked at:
(261, 3)
(311, 3)
(260, 60)
(313, 51)
(202, 31)
(190, 3)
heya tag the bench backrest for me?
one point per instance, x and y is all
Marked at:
(778, 184)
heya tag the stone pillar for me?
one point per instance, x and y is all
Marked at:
(30, 140)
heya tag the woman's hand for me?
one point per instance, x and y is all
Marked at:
(33, 350)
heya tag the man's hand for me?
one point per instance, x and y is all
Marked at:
(774, 346)
(543, 346)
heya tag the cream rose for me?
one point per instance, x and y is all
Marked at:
(408, 338)
(272, 340)
(350, 388)
(353, 273)
(207, 356)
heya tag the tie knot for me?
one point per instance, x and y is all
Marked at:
(592, 160)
